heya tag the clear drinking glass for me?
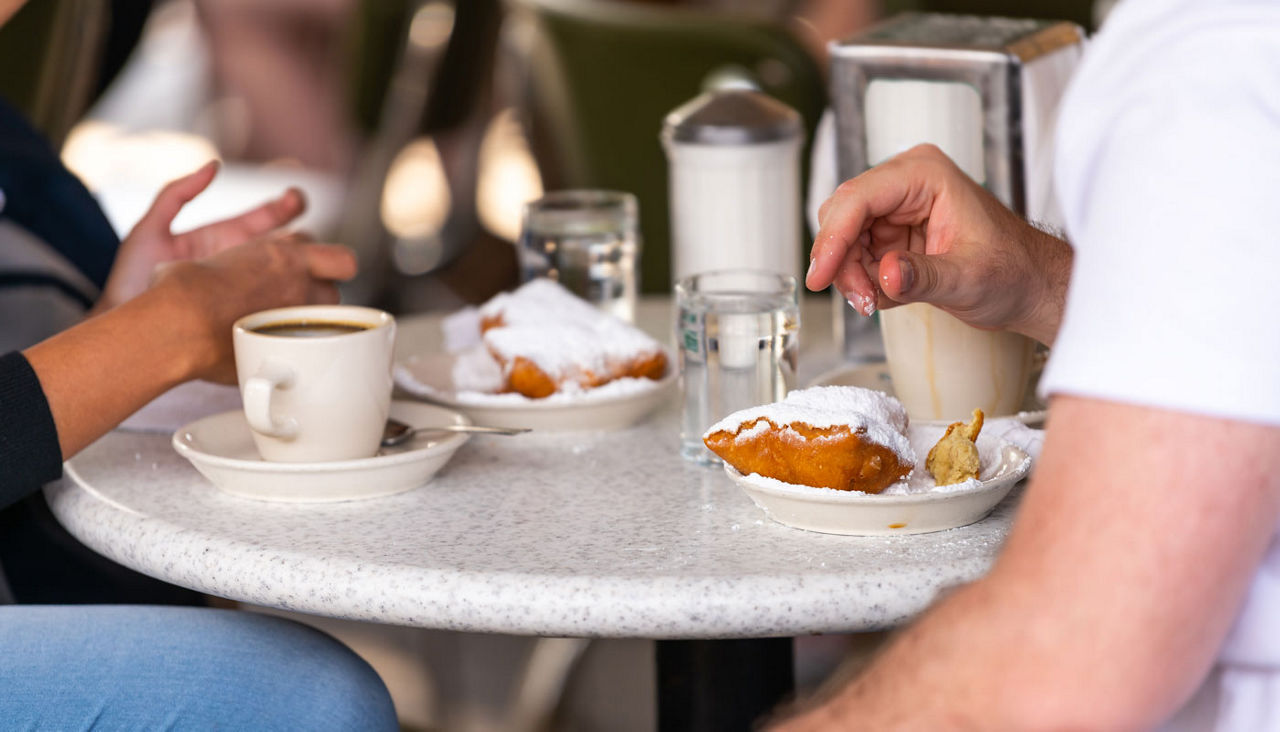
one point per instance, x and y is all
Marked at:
(589, 242)
(738, 332)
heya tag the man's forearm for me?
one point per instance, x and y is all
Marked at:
(1051, 258)
(970, 663)
(920, 680)
(988, 657)
(1133, 550)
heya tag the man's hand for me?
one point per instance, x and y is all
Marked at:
(151, 243)
(917, 229)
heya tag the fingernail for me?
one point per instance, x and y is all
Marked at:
(868, 306)
(864, 305)
(907, 276)
(809, 274)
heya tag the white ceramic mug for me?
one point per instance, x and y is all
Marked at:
(942, 369)
(311, 393)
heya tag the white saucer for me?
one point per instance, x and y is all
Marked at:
(862, 514)
(221, 448)
(875, 375)
(613, 406)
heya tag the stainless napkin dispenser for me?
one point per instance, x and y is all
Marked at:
(984, 90)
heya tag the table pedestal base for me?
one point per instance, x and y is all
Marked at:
(721, 684)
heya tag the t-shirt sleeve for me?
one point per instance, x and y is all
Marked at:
(1169, 174)
(29, 451)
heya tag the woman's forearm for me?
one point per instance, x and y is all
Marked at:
(104, 369)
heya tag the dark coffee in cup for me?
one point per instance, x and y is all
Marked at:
(309, 328)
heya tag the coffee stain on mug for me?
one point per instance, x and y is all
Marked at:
(932, 367)
(996, 390)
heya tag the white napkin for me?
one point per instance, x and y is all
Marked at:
(1015, 431)
(182, 405)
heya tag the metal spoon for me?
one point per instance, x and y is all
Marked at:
(397, 432)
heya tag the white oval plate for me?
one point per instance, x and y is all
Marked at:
(863, 514)
(875, 375)
(610, 407)
(221, 448)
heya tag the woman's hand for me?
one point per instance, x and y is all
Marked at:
(917, 229)
(209, 295)
(152, 244)
(102, 370)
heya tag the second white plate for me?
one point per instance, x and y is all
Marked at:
(613, 406)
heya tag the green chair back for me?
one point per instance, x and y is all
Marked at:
(603, 75)
(49, 53)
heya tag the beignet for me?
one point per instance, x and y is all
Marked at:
(546, 339)
(839, 437)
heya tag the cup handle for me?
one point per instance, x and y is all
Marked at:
(257, 401)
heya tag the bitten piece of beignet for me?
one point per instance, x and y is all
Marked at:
(955, 458)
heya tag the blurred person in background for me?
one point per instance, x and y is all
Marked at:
(1140, 585)
(815, 22)
(362, 91)
(280, 64)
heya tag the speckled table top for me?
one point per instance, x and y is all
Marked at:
(580, 534)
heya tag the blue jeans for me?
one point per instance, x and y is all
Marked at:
(139, 667)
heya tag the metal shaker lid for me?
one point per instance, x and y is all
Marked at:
(731, 116)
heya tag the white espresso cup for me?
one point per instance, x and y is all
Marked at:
(942, 369)
(316, 380)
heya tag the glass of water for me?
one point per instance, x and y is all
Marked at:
(588, 241)
(738, 332)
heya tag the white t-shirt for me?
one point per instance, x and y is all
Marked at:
(1168, 172)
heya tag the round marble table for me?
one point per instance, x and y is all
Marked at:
(580, 534)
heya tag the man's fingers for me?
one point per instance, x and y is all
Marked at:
(822, 211)
(852, 280)
(330, 262)
(910, 277)
(883, 301)
(843, 225)
(175, 195)
(903, 190)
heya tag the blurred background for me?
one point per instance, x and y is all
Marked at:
(417, 130)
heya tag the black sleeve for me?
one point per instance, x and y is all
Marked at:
(46, 199)
(29, 451)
